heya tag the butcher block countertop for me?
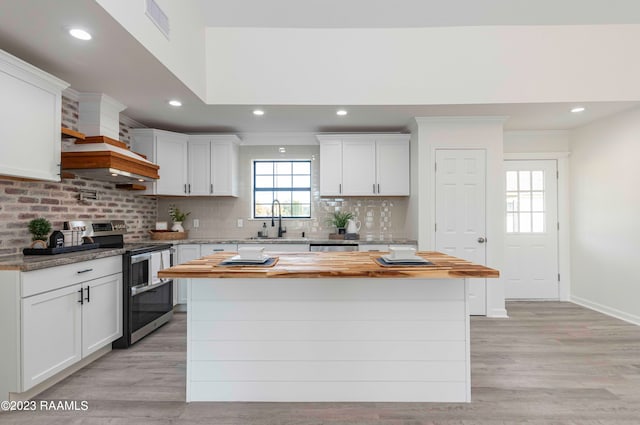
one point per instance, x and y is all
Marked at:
(330, 264)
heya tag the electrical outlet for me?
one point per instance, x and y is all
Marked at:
(240, 222)
(196, 223)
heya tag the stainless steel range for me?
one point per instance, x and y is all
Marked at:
(148, 300)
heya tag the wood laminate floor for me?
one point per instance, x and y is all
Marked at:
(550, 363)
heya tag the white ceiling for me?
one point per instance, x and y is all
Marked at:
(415, 13)
(116, 64)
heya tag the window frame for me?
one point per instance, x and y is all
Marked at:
(255, 189)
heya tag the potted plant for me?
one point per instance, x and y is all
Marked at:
(39, 229)
(177, 217)
(340, 220)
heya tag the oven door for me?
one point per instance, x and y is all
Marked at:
(148, 303)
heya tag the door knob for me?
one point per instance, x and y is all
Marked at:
(481, 240)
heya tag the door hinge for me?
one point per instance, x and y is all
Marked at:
(558, 277)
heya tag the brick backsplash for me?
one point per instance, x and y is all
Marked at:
(22, 201)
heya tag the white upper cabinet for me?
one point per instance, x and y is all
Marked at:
(190, 165)
(331, 167)
(169, 150)
(30, 130)
(358, 167)
(364, 165)
(213, 164)
(392, 167)
(199, 167)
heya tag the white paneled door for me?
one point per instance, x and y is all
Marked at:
(460, 196)
(531, 241)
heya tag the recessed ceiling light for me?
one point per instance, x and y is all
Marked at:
(80, 34)
(140, 180)
(341, 112)
(258, 112)
(577, 109)
(175, 103)
(282, 149)
(114, 174)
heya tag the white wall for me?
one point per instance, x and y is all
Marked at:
(184, 53)
(536, 141)
(437, 65)
(471, 133)
(605, 205)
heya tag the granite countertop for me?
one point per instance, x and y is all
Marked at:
(283, 241)
(332, 265)
(35, 262)
(27, 263)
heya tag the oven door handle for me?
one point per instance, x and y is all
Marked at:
(137, 290)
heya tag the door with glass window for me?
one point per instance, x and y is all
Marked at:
(531, 241)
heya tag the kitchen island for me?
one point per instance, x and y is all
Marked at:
(328, 327)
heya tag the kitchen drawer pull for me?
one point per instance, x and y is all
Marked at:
(81, 300)
(378, 187)
(218, 249)
(88, 294)
(84, 271)
(211, 188)
(340, 188)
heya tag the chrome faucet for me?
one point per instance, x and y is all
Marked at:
(280, 230)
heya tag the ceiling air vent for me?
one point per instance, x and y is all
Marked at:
(158, 17)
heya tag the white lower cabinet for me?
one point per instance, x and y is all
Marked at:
(67, 321)
(186, 253)
(279, 247)
(101, 313)
(51, 334)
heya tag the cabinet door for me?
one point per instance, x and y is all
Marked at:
(359, 167)
(101, 313)
(30, 130)
(331, 168)
(185, 253)
(224, 165)
(392, 168)
(51, 334)
(171, 156)
(199, 168)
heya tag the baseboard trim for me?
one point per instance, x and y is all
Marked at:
(498, 313)
(609, 311)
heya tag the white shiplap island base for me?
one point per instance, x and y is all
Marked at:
(305, 339)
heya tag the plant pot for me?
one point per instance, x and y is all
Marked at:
(342, 230)
(177, 226)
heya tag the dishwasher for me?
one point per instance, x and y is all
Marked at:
(333, 247)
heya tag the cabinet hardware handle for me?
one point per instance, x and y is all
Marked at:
(88, 294)
(189, 185)
(339, 187)
(218, 250)
(84, 271)
(378, 187)
(374, 188)
(211, 188)
(81, 300)
(481, 240)
(185, 188)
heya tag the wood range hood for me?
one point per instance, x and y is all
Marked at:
(106, 159)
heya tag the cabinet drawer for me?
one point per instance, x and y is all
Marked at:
(39, 281)
(208, 249)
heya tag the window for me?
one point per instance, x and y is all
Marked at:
(287, 181)
(525, 202)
